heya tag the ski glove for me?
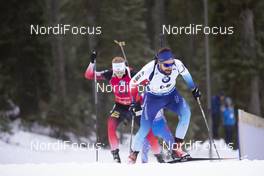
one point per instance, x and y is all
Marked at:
(135, 108)
(196, 93)
(93, 56)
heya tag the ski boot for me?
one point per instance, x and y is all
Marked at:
(116, 156)
(178, 153)
(159, 158)
(132, 158)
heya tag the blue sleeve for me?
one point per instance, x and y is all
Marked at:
(185, 74)
(189, 81)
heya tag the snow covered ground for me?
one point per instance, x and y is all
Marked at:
(27, 153)
(240, 168)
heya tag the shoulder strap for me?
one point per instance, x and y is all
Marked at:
(152, 73)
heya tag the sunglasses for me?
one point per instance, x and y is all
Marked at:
(168, 65)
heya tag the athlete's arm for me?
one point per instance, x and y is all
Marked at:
(89, 73)
(185, 74)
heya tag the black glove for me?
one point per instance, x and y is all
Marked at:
(196, 93)
(138, 109)
(135, 108)
(132, 106)
(93, 56)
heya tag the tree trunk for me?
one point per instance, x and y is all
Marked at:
(249, 51)
(91, 19)
(155, 20)
(158, 18)
(254, 106)
(59, 79)
(191, 42)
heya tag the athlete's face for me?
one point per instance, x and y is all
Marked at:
(119, 69)
(119, 74)
(167, 66)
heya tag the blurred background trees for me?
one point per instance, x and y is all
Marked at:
(44, 74)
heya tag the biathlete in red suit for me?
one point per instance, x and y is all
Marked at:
(119, 77)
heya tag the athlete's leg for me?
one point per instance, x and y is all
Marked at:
(112, 137)
(150, 142)
(154, 142)
(161, 129)
(112, 123)
(180, 107)
(145, 150)
(151, 106)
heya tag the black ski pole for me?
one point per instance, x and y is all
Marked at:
(207, 126)
(131, 130)
(96, 112)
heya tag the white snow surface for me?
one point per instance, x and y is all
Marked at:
(18, 157)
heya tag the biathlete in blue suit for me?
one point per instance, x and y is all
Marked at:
(161, 93)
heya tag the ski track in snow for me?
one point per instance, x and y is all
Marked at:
(18, 158)
(191, 168)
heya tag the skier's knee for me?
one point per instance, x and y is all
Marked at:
(144, 130)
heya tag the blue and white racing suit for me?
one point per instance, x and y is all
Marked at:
(162, 94)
